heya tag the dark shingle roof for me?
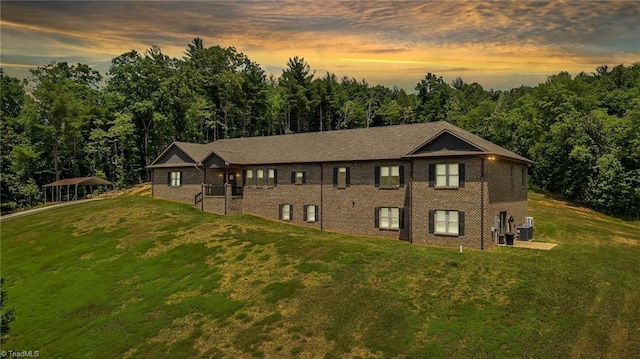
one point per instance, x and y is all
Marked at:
(196, 151)
(374, 143)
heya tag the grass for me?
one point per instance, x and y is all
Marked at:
(136, 277)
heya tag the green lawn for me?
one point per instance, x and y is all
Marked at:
(140, 278)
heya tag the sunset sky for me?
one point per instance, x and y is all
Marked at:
(499, 44)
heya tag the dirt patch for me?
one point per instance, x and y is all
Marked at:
(623, 240)
(201, 234)
(180, 329)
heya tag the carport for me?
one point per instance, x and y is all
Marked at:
(72, 184)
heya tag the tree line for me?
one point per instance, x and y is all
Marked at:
(583, 131)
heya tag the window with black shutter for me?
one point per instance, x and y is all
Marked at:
(389, 217)
(446, 222)
(298, 177)
(341, 177)
(446, 175)
(389, 176)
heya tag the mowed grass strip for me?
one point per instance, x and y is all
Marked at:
(138, 277)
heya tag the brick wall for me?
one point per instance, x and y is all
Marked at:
(213, 205)
(503, 196)
(351, 209)
(191, 184)
(264, 201)
(465, 199)
(498, 174)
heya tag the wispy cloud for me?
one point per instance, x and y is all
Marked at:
(396, 42)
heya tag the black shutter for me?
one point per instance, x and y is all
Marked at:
(275, 177)
(304, 177)
(304, 212)
(293, 177)
(348, 176)
(317, 213)
(335, 176)
(376, 216)
(244, 177)
(280, 211)
(431, 224)
(432, 176)
(401, 217)
(461, 173)
(461, 223)
(291, 212)
(169, 178)
(377, 176)
(401, 176)
(180, 184)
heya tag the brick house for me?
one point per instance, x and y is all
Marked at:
(430, 183)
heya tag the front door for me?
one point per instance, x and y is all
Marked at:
(232, 180)
(503, 223)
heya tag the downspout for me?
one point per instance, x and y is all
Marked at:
(204, 181)
(226, 182)
(482, 203)
(321, 197)
(410, 224)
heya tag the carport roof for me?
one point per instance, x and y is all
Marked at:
(80, 181)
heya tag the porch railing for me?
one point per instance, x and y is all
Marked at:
(211, 190)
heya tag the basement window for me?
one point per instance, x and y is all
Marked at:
(389, 218)
(286, 212)
(310, 212)
(447, 223)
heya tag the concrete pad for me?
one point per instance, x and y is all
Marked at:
(533, 245)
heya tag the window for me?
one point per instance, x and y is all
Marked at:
(341, 177)
(298, 177)
(513, 177)
(310, 212)
(286, 212)
(260, 175)
(447, 175)
(524, 177)
(389, 176)
(446, 222)
(389, 218)
(272, 177)
(248, 178)
(174, 179)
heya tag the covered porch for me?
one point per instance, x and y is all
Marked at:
(222, 190)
